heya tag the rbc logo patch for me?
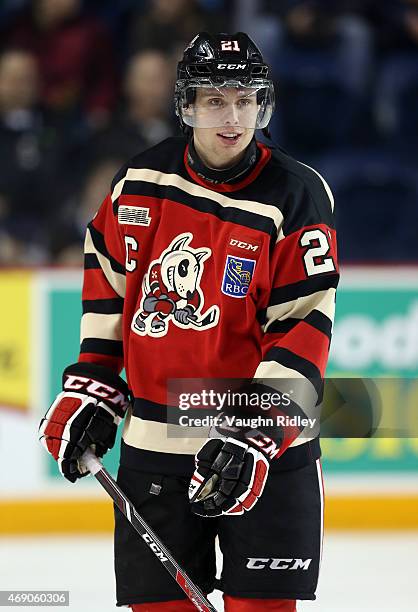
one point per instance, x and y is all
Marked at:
(237, 276)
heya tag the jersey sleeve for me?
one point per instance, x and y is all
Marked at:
(103, 290)
(297, 322)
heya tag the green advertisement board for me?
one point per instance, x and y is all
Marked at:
(375, 335)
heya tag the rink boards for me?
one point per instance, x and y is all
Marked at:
(369, 482)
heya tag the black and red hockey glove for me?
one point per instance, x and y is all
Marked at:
(85, 414)
(231, 471)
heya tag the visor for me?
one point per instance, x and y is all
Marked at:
(206, 104)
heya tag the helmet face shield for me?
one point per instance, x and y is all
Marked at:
(204, 103)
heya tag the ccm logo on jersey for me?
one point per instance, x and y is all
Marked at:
(278, 564)
(96, 389)
(232, 66)
(154, 547)
(243, 245)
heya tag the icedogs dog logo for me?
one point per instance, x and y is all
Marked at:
(237, 276)
(171, 291)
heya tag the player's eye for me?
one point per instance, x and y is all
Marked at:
(216, 102)
(244, 102)
(183, 267)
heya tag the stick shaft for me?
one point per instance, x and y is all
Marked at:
(150, 538)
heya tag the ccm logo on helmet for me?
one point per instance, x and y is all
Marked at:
(278, 564)
(231, 66)
(96, 389)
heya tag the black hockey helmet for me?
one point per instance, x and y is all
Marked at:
(217, 62)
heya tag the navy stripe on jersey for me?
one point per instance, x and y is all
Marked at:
(317, 204)
(100, 245)
(161, 413)
(315, 318)
(102, 347)
(319, 321)
(183, 465)
(151, 411)
(282, 176)
(201, 204)
(308, 286)
(282, 327)
(290, 360)
(103, 306)
(91, 262)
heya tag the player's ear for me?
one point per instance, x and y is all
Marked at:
(200, 255)
(181, 243)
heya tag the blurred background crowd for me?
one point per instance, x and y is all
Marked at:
(84, 86)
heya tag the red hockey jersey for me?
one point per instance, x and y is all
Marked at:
(189, 279)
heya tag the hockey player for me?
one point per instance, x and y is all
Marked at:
(212, 256)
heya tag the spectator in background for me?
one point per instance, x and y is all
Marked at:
(309, 22)
(396, 98)
(145, 115)
(395, 23)
(75, 56)
(68, 227)
(322, 61)
(170, 24)
(30, 153)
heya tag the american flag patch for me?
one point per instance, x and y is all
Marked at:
(134, 215)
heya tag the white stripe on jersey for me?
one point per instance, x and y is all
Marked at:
(117, 281)
(163, 438)
(103, 326)
(324, 301)
(174, 180)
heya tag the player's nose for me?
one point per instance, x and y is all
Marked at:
(231, 115)
(190, 295)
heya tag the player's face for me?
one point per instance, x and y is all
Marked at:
(227, 109)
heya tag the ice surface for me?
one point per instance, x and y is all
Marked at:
(361, 572)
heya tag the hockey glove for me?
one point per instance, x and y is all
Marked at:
(231, 472)
(87, 412)
(182, 315)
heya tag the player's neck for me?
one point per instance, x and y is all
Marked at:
(238, 168)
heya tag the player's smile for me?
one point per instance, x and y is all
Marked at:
(229, 138)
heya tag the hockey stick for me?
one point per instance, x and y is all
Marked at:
(94, 465)
(207, 319)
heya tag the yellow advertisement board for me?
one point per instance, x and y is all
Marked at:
(15, 338)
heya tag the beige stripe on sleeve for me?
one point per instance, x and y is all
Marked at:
(104, 326)
(324, 301)
(117, 281)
